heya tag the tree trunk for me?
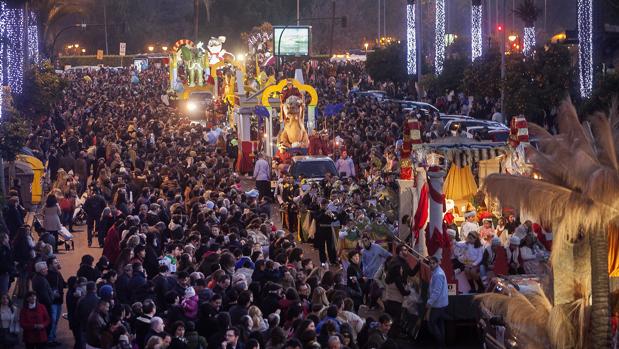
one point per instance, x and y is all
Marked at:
(600, 290)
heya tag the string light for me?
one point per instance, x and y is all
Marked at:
(439, 36)
(529, 40)
(13, 24)
(33, 39)
(411, 40)
(2, 29)
(585, 46)
(476, 39)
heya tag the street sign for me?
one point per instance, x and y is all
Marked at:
(99, 55)
(123, 48)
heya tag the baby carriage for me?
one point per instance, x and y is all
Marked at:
(79, 215)
(64, 235)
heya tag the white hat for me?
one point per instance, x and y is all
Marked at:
(449, 205)
(190, 292)
(451, 232)
(210, 205)
(514, 240)
(252, 193)
(487, 220)
(39, 266)
(469, 214)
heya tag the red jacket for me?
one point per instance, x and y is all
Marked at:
(30, 317)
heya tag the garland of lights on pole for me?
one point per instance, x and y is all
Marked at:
(528, 40)
(585, 46)
(476, 38)
(439, 37)
(411, 40)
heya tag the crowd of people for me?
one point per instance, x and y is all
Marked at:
(191, 257)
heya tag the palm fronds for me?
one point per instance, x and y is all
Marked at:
(527, 12)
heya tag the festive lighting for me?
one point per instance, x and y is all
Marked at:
(151, 48)
(411, 40)
(14, 22)
(33, 39)
(585, 46)
(529, 40)
(2, 28)
(439, 36)
(476, 40)
(512, 37)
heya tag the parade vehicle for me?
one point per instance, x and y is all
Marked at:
(312, 167)
(197, 105)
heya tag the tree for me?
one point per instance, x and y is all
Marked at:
(483, 77)
(388, 63)
(42, 89)
(449, 80)
(606, 87)
(580, 189)
(528, 13)
(14, 130)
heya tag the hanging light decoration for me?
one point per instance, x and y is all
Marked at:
(476, 38)
(2, 29)
(585, 46)
(439, 36)
(411, 40)
(33, 39)
(528, 40)
(13, 23)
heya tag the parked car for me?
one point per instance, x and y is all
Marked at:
(376, 94)
(312, 167)
(412, 105)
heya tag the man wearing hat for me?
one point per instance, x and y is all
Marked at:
(469, 225)
(41, 286)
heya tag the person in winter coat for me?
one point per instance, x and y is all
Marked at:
(85, 305)
(34, 320)
(94, 205)
(13, 215)
(194, 340)
(97, 322)
(9, 322)
(57, 284)
(190, 304)
(51, 218)
(7, 267)
(355, 280)
(87, 270)
(42, 288)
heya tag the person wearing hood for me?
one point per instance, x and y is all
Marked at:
(190, 304)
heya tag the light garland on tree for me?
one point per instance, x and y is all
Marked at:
(585, 46)
(33, 39)
(411, 40)
(528, 40)
(439, 36)
(14, 22)
(476, 38)
(2, 29)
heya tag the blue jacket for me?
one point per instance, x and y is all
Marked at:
(372, 259)
(437, 292)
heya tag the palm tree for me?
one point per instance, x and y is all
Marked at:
(528, 13)
(208, 4)
(51, 11)
(578, 193)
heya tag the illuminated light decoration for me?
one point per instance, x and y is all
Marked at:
(13, 24)
(2, 29)
(439, 37)
(585, 46)
(411, 40)
(476, 39)
(33, 39)
(528, 40)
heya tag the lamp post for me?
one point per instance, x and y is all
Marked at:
(366, 47)
(151, 48)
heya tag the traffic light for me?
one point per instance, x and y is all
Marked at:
(499, 27)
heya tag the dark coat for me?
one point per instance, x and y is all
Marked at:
(85, 306)
(45, 294)
(90, 273)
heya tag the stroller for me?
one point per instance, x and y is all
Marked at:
(64, 235)
(79, 215)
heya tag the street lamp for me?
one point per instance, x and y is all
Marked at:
(366, 47)
(69, 47)
(77, 45)
(512, 37)
(83, 50)
(164, 48)
(151, 48)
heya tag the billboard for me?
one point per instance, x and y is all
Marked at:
(291, 40)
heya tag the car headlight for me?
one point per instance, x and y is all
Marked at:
(192, 106)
